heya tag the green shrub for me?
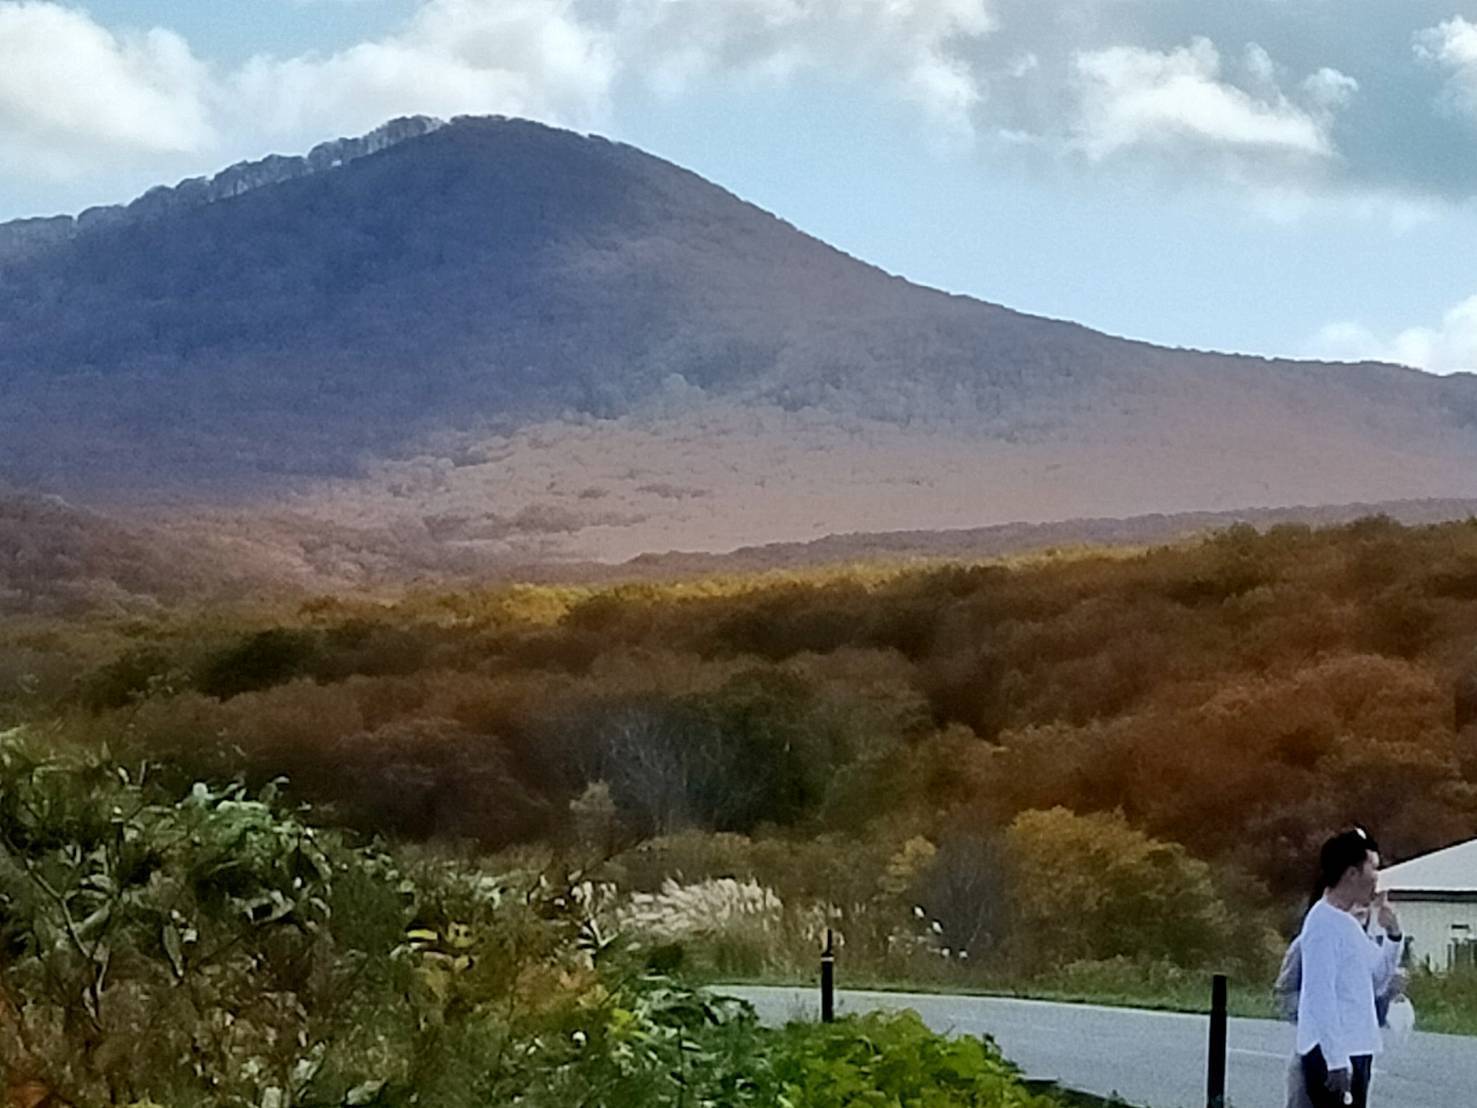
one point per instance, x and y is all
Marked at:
(131, 676)
(202, 926)
(892, 1060)
(658, 1044)
(258, 661)
(1446, 1002)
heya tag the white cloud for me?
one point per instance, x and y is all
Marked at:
(1132, 98)
(1260, 69)
(559, 60)
(1330, 89)
(77, 92)
(1453, 46)
(1450, 347)
(911, 46)
(531, 58)
(72, 92)
(1292, 202)
(77, 96)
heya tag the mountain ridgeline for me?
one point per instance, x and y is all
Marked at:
(494, 272)
(23, 238)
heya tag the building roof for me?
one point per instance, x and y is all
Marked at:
(1453, 870)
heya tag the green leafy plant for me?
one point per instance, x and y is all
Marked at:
(220, 948)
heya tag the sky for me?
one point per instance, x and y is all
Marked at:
(1279, 177)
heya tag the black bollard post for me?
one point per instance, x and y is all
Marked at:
(828, 980)
(1216, 1067)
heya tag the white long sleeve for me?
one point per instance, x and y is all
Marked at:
(1319, 1024)
(1336, 1007)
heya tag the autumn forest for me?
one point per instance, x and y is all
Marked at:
(988, 745)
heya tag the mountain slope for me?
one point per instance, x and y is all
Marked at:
(460, 290)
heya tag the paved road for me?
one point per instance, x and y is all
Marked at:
(1153, 1059)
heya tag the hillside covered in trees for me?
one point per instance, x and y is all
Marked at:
(1166, 734)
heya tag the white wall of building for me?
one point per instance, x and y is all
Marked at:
(1431, 925)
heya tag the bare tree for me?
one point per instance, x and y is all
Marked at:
(966, 890)
(649, 771)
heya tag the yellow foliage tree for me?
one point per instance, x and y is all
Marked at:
(1089, 887)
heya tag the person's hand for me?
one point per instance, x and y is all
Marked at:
(1385, 915)
(1340, 1082)
(1398, 983)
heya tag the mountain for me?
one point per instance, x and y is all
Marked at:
(517, 341)
(55, 556)
(493, 267)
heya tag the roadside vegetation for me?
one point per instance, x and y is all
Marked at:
(220, 948)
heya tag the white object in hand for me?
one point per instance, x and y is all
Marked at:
(1400, 1020)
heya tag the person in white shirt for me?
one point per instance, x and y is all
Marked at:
(1380, 924)
(1338, 1031)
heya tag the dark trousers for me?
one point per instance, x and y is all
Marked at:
(1315, 1080)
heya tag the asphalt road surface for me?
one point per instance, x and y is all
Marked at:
(1151, 1059)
